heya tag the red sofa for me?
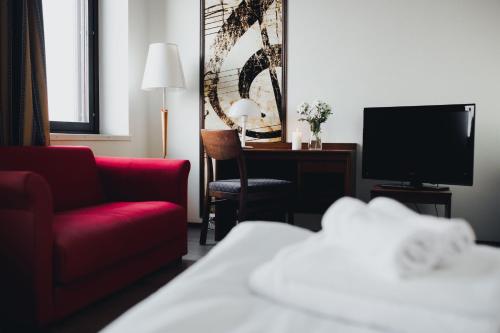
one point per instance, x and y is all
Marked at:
(74, 228)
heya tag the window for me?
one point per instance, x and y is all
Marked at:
(71, 49)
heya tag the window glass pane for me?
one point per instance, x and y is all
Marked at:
(66, 46)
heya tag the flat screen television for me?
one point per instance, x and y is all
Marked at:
(420, 144)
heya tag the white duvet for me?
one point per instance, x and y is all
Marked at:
(213, 295)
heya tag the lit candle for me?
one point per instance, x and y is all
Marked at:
(296, 140)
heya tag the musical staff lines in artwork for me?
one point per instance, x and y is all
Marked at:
(227, 81)
(216, 16)
(262, 127)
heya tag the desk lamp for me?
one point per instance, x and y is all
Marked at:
(243, 109)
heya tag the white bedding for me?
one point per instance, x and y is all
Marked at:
(213, 295)
(332, 282)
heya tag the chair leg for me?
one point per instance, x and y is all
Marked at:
(242, 211)
(204, 231)
(204, 224)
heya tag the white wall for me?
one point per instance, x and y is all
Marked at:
(138, 99)
(357, 53)
(383, 53)
(178, 22)
(113, 66)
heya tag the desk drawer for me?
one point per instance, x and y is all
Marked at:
(322, 167)
(320, 183)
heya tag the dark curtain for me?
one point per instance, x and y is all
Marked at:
(23, 85)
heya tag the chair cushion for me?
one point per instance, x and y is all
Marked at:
(90, 239)
(71, 172)
(254, 185)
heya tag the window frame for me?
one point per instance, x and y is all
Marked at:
(92, 126)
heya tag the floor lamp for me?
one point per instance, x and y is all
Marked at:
(163, 70)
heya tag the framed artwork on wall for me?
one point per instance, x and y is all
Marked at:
(243, 56)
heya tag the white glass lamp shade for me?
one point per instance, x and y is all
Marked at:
(244, 107)
(163, 67)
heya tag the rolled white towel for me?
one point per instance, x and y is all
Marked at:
(456, 235)
(379, 240)
(329, 281)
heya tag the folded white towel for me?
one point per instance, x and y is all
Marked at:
(385, 244)
(329, 281)
(456, 235)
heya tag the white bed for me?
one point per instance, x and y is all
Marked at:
(213, 295)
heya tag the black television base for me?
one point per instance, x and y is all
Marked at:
(415, 186)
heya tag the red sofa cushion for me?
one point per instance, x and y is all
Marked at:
(71, 172)
(93, 238)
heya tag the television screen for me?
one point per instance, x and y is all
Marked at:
(420, 144)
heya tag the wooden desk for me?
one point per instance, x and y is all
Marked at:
(415, 196)
(320, 176)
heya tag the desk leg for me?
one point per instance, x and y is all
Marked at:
(447, 208)
(225, 218)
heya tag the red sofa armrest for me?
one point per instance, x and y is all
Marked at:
(26, 243)
(144, 179)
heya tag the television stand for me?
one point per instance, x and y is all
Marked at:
(415, 187)
(415, 196)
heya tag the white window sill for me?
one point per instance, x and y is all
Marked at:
(88, 137)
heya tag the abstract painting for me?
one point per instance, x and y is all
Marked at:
(243, 56)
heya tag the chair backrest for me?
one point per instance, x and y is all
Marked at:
(222, 144)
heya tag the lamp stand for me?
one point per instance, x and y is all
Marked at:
(164, 124)
(243, 130)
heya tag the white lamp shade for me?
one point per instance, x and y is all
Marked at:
(163, 67)
(244, 107)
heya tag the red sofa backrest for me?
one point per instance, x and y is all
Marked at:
(70, 171)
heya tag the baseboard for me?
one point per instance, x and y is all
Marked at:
(197, 225)
(489, 243)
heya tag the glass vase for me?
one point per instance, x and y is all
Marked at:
(315, 141)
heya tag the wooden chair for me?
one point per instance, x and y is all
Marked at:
(225, 145)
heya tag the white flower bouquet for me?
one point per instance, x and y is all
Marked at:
(315, 114)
